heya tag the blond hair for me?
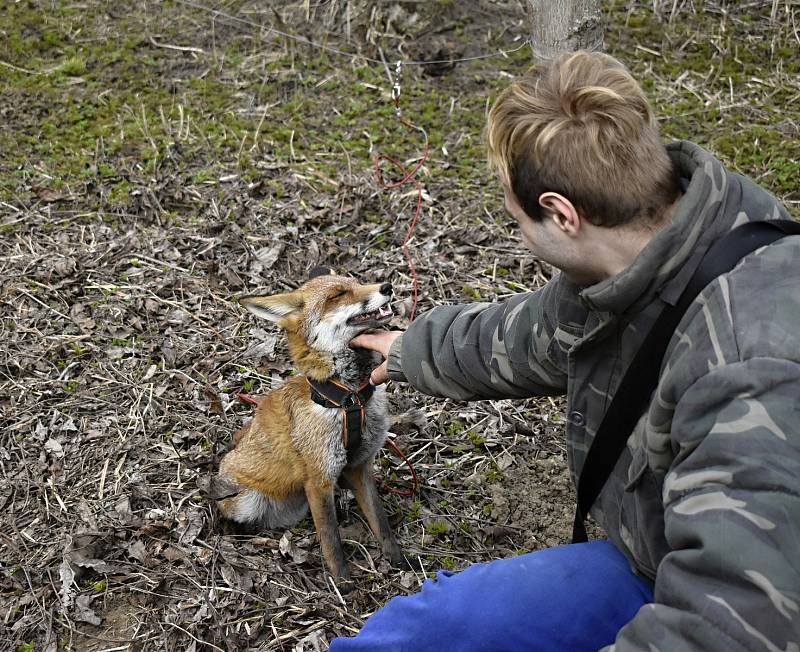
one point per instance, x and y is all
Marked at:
(581, 126)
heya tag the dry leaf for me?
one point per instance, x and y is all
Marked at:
(189, 526)
(289, 549)
(173, 553)
(123, 508)
(138, 551)
(83, 613)
(67, 577)
(54, 448)
(211, 395)
(268, 255)
(313, 642)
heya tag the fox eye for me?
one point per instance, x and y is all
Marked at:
(339, 294)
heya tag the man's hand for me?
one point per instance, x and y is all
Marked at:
(380, 342)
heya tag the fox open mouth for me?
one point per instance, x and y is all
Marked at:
(382, 314)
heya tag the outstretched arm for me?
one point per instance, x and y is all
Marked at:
(479, 351)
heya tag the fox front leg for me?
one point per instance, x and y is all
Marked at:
(363, 485)
(323, 511)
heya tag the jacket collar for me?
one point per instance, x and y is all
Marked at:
(667, 262)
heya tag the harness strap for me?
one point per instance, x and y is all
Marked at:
(335, 394)
(641, 378)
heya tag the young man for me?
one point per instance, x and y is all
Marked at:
(702, 511)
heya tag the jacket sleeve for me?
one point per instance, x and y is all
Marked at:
(732, 517)
(484, 351)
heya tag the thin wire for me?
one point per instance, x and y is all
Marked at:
(351, 55)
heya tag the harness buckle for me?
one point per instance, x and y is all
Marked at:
(350, 400)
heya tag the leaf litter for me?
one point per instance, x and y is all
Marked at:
(123, 350)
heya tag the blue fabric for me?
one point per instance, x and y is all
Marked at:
(568, 599)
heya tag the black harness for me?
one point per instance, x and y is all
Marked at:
(352, 402)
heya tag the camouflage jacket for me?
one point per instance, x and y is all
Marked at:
(705, 501)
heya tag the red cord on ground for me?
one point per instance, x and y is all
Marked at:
(407, 177)
(247, 398)
(406, 493)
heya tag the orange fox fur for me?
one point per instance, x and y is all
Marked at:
(291, 455)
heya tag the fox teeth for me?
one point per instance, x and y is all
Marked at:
(380, 313)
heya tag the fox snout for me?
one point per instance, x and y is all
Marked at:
(386, 289)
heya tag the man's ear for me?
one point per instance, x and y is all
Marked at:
(276, 308)
(561, 211)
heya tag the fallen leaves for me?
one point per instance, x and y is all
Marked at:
(123, 348)
(289, 548)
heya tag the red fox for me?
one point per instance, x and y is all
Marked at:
(323, 424)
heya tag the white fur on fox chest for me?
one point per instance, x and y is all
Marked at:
(331, 458)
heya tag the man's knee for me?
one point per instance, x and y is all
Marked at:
(573, 597)
(449, 613)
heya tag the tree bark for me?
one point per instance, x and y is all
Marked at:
(564, 26)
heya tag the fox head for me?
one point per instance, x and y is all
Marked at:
(323, 315)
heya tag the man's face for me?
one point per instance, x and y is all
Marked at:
(550, 243)
(534, 235)
(542, 237)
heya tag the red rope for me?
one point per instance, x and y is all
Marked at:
(406, 493)
(407, 177)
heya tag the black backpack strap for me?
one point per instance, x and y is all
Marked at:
(641, 378)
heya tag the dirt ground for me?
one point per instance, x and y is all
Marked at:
(159, 160)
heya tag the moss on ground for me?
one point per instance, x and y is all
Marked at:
(98, 105)
(727, 80)
(167, 156)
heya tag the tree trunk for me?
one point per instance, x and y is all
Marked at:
(564, 26)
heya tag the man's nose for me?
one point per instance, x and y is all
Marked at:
(386, 289)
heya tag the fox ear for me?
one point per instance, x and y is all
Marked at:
(322, 270)
(276, 308)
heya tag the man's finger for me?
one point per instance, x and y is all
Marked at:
(379, 375)
(364, 341)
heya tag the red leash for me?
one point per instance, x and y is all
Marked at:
(406, 493)
(407, 177)
(246, 398)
